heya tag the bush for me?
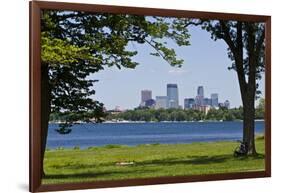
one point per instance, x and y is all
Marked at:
(110, 146)
(155, 144)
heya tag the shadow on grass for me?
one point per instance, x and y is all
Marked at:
(94, 174)
(199, 160)
(187, 160)
(253, 157)
(81, 166)
(194, 160)
(164, 162)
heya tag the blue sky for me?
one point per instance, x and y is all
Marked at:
(205, 63)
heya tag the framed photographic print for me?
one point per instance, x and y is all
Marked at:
(124, 96)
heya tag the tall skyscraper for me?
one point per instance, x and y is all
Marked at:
(200, 96)
(189, 103)
(161, 102)
(200, 91)
(173, 95)
(146, 95)
(214, 100)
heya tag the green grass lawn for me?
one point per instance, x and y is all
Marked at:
(101, 163)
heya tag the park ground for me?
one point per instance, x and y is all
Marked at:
(115, 162)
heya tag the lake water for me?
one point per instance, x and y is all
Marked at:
(87, 135)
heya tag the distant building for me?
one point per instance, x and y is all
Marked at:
(117, 108)
(199, 100)
(204, 108)
(200, 91)
(161, 102)
(173, 95)
(227, 104)
(145, 96)
(207, 102)
(189, 103)
(214, 100)
(149, 103)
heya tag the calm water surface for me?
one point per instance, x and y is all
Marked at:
(86, 135)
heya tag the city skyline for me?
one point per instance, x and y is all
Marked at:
(171, 100)
(205, 63)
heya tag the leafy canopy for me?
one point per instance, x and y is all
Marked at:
(78, 44)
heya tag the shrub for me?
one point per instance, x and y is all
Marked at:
(109, 146)
(76, 148)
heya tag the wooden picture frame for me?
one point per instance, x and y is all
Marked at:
(35, 98)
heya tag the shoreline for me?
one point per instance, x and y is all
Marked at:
(258, 136)
(125, 121)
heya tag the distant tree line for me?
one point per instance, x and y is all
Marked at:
(182, 115)
(146, 114)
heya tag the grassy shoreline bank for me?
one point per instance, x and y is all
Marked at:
(115, 162)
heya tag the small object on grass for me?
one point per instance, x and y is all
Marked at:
(124, 163)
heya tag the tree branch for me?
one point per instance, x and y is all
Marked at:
(200, 22)
(153, 46)
(227, 38)
(260, 42)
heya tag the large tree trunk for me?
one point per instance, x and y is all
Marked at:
(45, 109)
(249, 117)
(249, 125)
(248, 94)
(247, 89)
